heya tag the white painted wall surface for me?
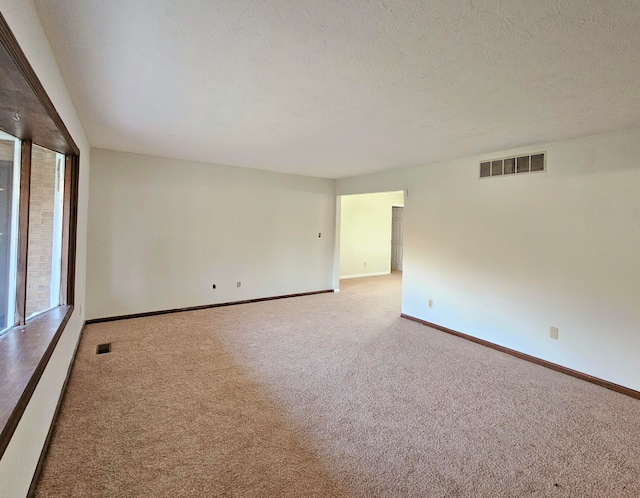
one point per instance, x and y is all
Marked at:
(21, 456)
(504, 259)
(365, 233)
(163, 231)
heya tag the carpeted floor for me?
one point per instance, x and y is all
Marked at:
(329, 395)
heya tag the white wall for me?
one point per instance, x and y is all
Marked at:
(163, 231)
(504, 259)
(365, 233)
(21, 456)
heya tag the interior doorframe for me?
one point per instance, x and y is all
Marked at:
(336, 246)
(402, 245)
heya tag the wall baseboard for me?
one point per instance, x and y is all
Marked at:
(201, 307)
(362, 275)
(523, 356)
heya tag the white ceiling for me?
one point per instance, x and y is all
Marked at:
(344, 87)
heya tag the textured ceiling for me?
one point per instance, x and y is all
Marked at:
(344, 87)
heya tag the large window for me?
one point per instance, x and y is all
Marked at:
(45, 194)
(39, 163)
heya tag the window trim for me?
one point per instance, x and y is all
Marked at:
(26, 348)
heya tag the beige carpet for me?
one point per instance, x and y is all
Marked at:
(329, 395)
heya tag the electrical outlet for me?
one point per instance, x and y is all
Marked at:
(554, 333)
(430, 303)
(238, 284)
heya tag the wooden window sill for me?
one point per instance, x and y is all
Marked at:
(24, 354)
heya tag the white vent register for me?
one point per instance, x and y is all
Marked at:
(514, 165)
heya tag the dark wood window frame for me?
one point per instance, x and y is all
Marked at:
(25, 349)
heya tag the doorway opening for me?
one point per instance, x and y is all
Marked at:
(369, 238)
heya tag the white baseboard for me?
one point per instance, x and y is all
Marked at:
(362, 275)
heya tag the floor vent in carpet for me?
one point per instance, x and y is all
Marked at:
(103, 348)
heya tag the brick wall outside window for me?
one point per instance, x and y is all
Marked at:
(6, 150)
(41, 210)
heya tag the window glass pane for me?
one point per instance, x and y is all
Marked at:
(9, 196)
(45, 230)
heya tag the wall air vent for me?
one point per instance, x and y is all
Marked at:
(514, 165)
(103, 348)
